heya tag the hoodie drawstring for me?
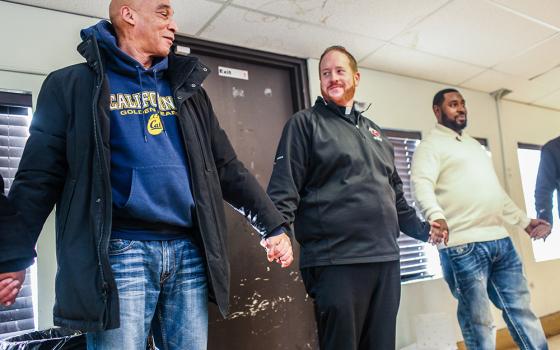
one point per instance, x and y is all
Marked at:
(143, 120)
(157, 103)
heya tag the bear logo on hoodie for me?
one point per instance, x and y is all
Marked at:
(154, 125)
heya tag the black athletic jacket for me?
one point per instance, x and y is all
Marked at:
(334, 177)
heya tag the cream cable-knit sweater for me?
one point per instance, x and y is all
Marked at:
(453, 179)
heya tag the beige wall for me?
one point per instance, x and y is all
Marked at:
(38, 41)
(404, 103)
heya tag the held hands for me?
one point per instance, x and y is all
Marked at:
(439, 232)
(538, 229)
(279, 249)
(10, 285)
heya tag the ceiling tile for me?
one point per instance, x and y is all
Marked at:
(543, 10)
(190, 16)
(477, 32)
(406, 61)
(534, 62)
(377, 19)
(523, 90)
(99, 8)
(269, 33)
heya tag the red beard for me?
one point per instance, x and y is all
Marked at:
(346, 97)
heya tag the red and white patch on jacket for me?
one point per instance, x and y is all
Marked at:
(376, 134)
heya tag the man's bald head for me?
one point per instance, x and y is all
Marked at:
(145, 29)
(115, 8)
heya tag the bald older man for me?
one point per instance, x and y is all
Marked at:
(129, 149)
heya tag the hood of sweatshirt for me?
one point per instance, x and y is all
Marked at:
(117, 59)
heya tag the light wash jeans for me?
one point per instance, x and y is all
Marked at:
(480, 272)
(162, 286)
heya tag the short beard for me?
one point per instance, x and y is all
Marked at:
(451, 123)
(347, 96)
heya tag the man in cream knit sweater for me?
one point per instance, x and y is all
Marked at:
(455, 185)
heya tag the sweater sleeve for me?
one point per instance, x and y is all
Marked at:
(547, 178)
(425, 170)
(512, 214)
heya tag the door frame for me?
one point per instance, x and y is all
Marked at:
(296, 67)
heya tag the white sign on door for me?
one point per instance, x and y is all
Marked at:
(233, 73)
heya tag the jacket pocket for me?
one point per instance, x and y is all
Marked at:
(67, 203)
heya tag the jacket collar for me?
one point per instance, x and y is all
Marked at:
(182, 71)
(337, 110)
(89, 49)
(186, 71)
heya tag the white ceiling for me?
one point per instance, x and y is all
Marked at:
(479, 44)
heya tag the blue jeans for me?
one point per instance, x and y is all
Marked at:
(162, 286)
(480, 272)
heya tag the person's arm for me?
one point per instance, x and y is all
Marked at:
(35, 189)
(409, 222)
(535, 228)
(242, 191)
(424, 174)
(425, 171)
(547, 178)
(291, 164)
(39, 179)
(512, 214)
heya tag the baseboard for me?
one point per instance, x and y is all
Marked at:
(550, 323)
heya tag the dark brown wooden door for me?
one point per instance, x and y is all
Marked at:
(269, 305)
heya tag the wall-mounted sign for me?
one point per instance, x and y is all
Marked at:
(233, 73)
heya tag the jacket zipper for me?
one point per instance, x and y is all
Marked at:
(101, 164)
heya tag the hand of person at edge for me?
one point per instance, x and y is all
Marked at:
(439, 232)
(279, 249)
(10, 285)
(538, 229)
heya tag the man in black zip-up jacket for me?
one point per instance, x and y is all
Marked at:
(155, 258)
(334, 178)
(548, 179)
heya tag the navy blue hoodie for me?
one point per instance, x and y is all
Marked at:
(152, 198)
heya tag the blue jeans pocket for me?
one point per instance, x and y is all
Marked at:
(460, 250)
(119, 246)
(464, 262)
